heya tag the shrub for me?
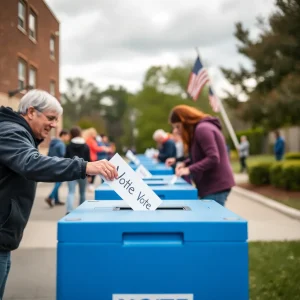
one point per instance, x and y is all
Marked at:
(276, 175)
(259, 174)
(291, 175)
(292, 156)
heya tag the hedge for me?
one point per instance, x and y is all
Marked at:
(292, 155)
(256, 138)
(291, 175)
(276, 176)
(284, 174)
(259, 173)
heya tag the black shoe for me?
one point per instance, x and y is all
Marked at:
(59, 203)
(49, 202)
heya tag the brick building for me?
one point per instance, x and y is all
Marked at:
(29, 50)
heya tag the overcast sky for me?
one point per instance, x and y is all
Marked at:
(116, 41)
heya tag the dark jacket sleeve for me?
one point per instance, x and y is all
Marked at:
(205, 139)
(168, 150)
(18, 154)
(87, 156)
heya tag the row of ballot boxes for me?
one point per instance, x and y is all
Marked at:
(186, 249)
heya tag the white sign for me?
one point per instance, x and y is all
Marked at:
(143, 172)
(129, 154)
(131, 188)
(150, 152)
(174, 179)
(153, 297)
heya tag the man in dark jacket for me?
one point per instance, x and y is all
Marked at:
(57, 148)
(167, 147)
(21, 166)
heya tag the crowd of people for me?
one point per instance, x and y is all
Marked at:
(86, 144)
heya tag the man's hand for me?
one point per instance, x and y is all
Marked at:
(155, 155)
(182, 171)
(102, 167)
(170, 161)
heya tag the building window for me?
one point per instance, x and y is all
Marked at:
(32, 25)
(21, 74)
(21, 15)
(32, 77)
(52, 88)
(52, 47)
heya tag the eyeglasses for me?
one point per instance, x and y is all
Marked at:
(49, 118)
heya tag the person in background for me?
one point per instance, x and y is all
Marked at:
(57, 148)
(166, 145)
(90, 135)
(244, 153)
(22, 166)
(208, 163)
(112, 150)
(78, 148)
(279, 147)
(102, 141)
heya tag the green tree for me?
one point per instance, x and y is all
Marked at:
(163, 88)
(274, 99)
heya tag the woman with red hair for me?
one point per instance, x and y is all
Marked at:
(205, 144)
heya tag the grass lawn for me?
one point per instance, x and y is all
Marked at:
(274, 270)
(250, 161)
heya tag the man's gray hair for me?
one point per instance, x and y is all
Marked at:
(41, 101)
(159, 133)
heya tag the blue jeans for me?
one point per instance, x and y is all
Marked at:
(54, 193)
(71, 194)
(4, 270)
(218, 197)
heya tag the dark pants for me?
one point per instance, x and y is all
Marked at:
(243, 163)
(54, 193)
(4, 270)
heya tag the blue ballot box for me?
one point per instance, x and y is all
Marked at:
(159, 169)
(193, 248)
(163, 180)
(163, 191)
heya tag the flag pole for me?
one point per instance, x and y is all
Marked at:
(224, 114)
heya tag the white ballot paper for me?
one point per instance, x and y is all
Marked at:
(129, 154)
(131, 188)
(173, 180)
(143, 172)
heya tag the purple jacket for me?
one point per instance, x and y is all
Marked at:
(209, 164)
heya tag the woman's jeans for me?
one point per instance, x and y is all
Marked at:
(218, 197)
(54, 193)
(71, 194)
(4, 270)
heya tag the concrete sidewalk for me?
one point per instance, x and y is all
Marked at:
(33, 268)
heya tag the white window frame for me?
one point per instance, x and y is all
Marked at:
(52, 46)
(32, 71)
(20, 16)
(52, 87)
(32, 31)
(22, 77)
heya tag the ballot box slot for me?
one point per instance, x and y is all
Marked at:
(170, 208)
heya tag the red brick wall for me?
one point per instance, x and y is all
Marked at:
(15, 44)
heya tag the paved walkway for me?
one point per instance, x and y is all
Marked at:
(33, 275)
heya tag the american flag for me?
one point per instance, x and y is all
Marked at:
(213, 101)
(198, 79)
